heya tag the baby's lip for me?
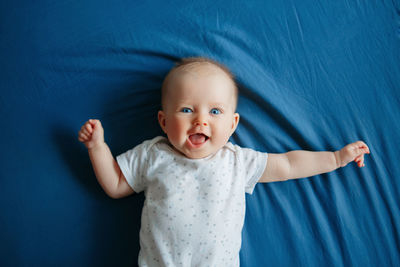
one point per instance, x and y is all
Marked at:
(198, 139)
(197, 131)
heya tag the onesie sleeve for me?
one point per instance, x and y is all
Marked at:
(252, 165)
(133, 164)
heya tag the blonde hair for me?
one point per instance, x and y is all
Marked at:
(191, 63)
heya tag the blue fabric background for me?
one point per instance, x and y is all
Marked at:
(314, 75)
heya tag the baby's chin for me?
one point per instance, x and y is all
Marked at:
(196, 152)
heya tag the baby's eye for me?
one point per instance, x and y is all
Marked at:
(186, 110)
(215, 111)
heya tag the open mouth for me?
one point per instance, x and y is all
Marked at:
(198, 139)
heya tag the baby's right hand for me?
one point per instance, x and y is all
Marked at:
(91, 134)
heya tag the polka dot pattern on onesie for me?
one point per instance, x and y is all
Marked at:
(194, 208)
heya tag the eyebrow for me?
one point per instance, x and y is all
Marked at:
(218, 104)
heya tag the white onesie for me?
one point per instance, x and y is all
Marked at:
(194, 209)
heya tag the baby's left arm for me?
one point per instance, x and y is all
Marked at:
(300, 164)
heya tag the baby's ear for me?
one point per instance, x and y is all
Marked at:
(161, 120)
(235, 122)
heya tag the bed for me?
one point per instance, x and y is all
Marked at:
(313, 75)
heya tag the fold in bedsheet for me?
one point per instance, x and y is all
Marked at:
(314, 75)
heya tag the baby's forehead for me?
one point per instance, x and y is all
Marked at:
(193, 71)
(205, 74)
(198, 69)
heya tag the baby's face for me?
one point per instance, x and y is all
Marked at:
(199, 111)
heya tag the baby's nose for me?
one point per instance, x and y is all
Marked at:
(198, 123)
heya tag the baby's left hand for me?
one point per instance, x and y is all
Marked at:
(352, 152)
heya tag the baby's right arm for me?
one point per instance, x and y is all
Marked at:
(106, 168)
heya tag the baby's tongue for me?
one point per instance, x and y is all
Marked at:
(197, 139)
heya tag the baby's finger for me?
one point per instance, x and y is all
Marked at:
(86, 134)
(360, 161)
(84, 131)
(363, 147)
(83, 128)
(96, 123)
(364, 150)
(83, 136)
(358, 158)
(89, 127)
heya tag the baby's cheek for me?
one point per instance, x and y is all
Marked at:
(223, 135)
(177, 132)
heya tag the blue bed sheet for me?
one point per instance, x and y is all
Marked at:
(313, 75)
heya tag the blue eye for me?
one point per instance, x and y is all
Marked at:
(215, 111)
(186, 110)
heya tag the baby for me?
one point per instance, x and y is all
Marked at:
(195, 180)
